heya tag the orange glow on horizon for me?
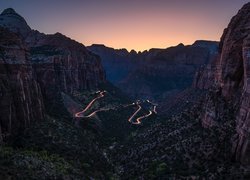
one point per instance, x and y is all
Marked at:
(141, 33)
(130, 24)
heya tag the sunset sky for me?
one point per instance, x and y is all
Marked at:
(131, 24)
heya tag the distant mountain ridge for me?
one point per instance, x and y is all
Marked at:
(157, 73)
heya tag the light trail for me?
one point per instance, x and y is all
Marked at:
(135, 113)
(81, 113)
(138, 120)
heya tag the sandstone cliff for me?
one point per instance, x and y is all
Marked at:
(64, 65)
(167, 72)
(158, 73)
(118, 63)
(36, 68)
(228, 80)
(21, 101)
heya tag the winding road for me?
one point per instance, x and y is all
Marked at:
(135, 113)
(81, 113)
(139, 119)
(154, 106)
(100, 110)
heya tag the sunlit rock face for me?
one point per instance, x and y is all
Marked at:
(229, 75)
(21, 101)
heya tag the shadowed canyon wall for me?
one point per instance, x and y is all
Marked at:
(227, 77)
(36, 68)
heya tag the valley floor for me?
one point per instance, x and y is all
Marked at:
(93, 139)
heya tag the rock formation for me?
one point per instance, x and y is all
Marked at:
(36, 68)
(157, 73)
(21, 101)
(167, 72)
(64, 65)
(228, 77)
(118, 63)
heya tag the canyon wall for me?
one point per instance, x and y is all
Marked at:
(21, 101)
(36, 68)
(156, 74)
(228, 81)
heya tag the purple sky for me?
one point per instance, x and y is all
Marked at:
(132, 24)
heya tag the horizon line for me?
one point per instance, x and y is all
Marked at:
(143, 50)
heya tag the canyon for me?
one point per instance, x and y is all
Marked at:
(41, 66)
(73, 112)
(157, 74)
(228, 76)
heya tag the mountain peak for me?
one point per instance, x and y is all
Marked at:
(11, 20)
(8, 11)
(11, 12)
(180, 45)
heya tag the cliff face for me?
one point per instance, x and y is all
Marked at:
(118, 63)
(21, 100)
(56, 57)
(14, 22)
(63, 65)
(36, 68)
(228, 79)
(167, 71)
(157, 73)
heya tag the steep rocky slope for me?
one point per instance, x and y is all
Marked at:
(14, 22)
(228, 79)
(21, 101)
(36, 68)
(118, 63)
(158, 73)
(61, 64)
(167, 72)
(38, 137)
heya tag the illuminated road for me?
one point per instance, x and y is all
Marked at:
(128, 105)
(139, 119)
(100, 110)
(135, 113)
(155, 110)
(154, 105)
(81, 113)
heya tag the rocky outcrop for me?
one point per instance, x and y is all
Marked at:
(14, 22)
(21, 101)
(36, 68)
(207, 75)
(229, 74)
(242, 138)
(73, 66)
(63, 65)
